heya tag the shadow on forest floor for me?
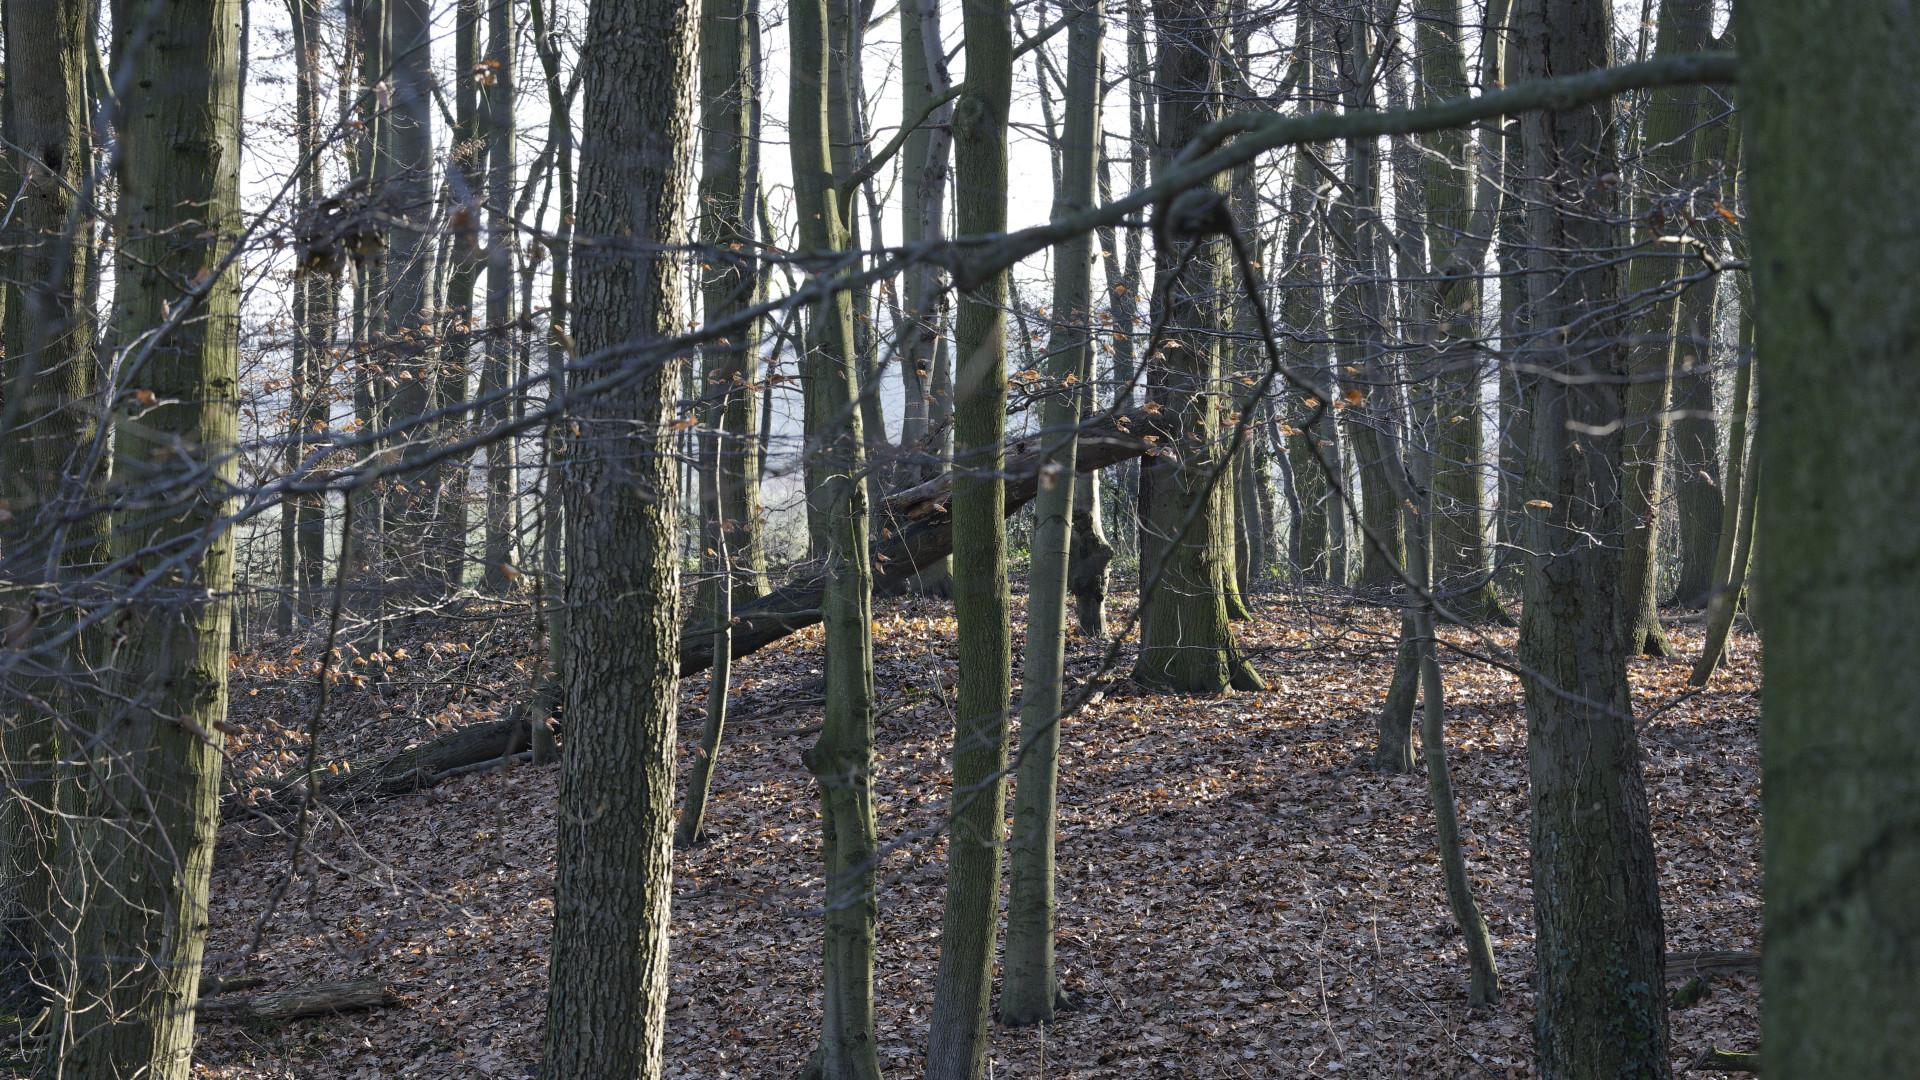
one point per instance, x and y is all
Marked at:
(1236, 898)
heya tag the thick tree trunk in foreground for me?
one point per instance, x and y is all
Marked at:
(1030, 986)
(1601, 1007)
(1822, 82)
(152, 782)
(47, 381)
(963, 985)
(606, 996)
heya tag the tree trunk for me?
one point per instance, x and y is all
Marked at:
(407, 187)
(729, 283)
(1186, 642)
(1453, 302)
(1821, 83)
(496, 367)
(559, 247)
(957, 1039)
(318, 298)
(47, 437)
(1030, 987)
(1602, 1009)
(841, 761)
(1736, 520)
(159, 742)
(1668, 136)
(467, 176)
(607, 990)
(1696, 449)
(927, 373)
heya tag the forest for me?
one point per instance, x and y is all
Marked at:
(830, 539)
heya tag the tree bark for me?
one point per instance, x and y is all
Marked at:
(607, 990)
(1186, 642)
(1841, 749)
(841, 761)
(1601, 1006)
(963, 984)
(496, 366)
(1030, 987)
(1668, 136)
(152, 779)
(1736, 520)
(47, 440)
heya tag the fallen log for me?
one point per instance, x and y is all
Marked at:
(282, 1005)
(1714, 1059)
(215, 985)
(918, 532)
(1688, 965)
(460, 751)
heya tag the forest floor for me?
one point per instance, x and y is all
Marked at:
(1238, 895)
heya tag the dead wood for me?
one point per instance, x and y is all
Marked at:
(1687, 965)
(1714, 1059)
(318, 1000)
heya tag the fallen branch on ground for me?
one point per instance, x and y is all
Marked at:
(1714, 1059)
(1687, 965)
(319, 1000)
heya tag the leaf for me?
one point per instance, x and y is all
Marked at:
(1541, 503)
(1354, 397)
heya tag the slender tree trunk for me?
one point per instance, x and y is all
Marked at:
(408, 188)
(1668, 135)
(468, 179)
(841, 761)
(926, 364)
(1030, 988)
(957, 1039)
(139, 944)
(606, 996)
(729, 283)
(1452, 302)
(496, 370)
(1736, 521)
(1600, 946)
(1695, 450)
(559, 246)
(1696, 429)
(1361, 317)
(693, 809)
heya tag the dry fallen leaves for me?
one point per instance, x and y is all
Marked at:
(1237, 897)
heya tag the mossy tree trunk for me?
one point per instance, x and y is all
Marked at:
(963, 984)
(841, 761)
(1832, 211)
(151, 778)
(607, 991)
(1186, 641)
(1601, 1003)
(1030, 988)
